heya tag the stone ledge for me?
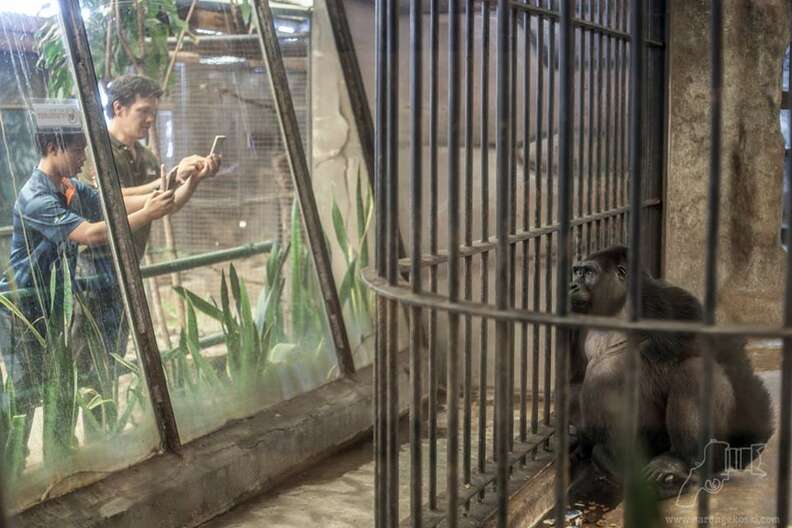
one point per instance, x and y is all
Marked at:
(216, 472)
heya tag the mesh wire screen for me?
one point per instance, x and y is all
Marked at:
(220, 87)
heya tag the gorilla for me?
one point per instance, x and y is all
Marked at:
(671, 370)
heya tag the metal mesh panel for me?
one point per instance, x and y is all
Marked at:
(216, 90)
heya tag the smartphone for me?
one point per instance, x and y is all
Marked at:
(217, 146)
(163, 179)
(170, 179)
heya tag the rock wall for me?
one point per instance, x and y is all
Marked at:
(750, 260)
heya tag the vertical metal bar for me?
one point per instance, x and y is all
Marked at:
(380, 144)
(416, 184)
(452, 385)
(785, 429)
(598, 138)
(392, 258)
(581, 122)
(538, 212)
(631, 513)
(120, 236)
(298, 163)
(624, 161)
(590, 195)
(526, 246)
(636, 158)
(617, 124)
(549, 240)
(566, 115)
(433, 196)
(501, 280)
(468, 351)
(608, 113)
(485, 47)
(710, 295)
(354, 82)
(512, 214)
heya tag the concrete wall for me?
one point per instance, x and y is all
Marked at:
(750, 269)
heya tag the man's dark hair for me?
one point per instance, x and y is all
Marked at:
(60, 140)
(127, 88)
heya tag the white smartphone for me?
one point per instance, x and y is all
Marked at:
(217, 146)
(170, 179)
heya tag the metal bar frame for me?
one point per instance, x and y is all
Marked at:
(380, 137)
(502, 151)
(603, 41)
(452, 366)
(416, 188)
(632, 367)
(298, 163)
(481, 246)
(711, 268)
(120, 236)
(785, 426)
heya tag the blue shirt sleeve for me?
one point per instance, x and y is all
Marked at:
(90, 201)
(47, 215)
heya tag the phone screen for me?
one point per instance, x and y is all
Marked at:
(217, 146)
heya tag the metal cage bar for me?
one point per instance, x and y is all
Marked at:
(380, 397)
(416, 188)
(452, 358)
(503, 112)
(564, 205)
(559, 51)
(785, 426)
(710, 289)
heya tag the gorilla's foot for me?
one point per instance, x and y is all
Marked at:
(669, 473)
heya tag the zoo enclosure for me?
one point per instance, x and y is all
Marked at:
(602, 55)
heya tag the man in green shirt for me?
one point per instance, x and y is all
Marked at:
(132, 106)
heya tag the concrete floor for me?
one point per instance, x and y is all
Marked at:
(338, 493)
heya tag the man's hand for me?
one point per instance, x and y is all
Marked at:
(159, 204)
(188, 167)
(197, 166)
(210, 167)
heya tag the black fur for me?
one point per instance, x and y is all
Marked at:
(671, 370)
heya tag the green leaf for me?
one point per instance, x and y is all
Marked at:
(205, 370)
(68, 297)
(246, 10)
(15, 452)
(11, 307)
(234, 278)
(347, 283)
(297, 279)
(206, 307)
(340, 230)
(131, 403)
(360, 210)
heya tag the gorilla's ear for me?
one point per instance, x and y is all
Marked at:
(621, 271)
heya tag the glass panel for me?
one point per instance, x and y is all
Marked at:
(73, 402)
(341, 184)
(237, 334)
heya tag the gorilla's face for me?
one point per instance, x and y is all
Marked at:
(597, 288)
